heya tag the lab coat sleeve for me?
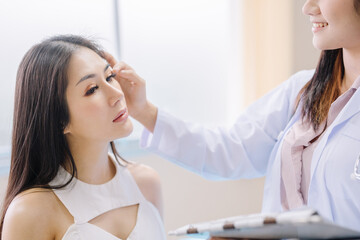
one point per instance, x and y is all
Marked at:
(239, 152)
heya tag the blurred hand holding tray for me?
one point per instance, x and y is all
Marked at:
(304, 223)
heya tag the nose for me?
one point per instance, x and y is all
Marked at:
(311, 8)
(115, 94)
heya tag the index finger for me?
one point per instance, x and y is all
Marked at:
(109, 58)
(117, 66)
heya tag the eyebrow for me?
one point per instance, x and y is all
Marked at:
(91, 75)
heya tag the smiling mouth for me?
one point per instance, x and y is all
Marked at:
(320, 25)
(121, 116)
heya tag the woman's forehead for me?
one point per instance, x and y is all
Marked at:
(85, 56)
(84, 61)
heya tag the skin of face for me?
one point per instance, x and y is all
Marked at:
(342, 23)
(94, 100)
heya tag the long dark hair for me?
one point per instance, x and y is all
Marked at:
(39, 146)
(325, 86)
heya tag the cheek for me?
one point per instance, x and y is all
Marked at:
(346, 21)
(354, 27)
(87, 113)
(350, 35)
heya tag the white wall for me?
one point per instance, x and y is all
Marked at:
(187, 52)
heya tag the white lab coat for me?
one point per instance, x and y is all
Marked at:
(251, 148)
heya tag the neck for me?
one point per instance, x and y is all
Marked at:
(351, 60)
(91, 160)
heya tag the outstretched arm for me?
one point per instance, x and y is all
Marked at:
(242, 151)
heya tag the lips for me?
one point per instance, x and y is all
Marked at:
(121, 116)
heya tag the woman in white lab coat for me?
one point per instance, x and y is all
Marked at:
(304, 136)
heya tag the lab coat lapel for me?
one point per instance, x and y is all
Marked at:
(350, 109)
(274, 179)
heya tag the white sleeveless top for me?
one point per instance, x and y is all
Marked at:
(85, 202)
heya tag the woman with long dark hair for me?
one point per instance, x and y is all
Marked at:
(63, 184)
(304, 136)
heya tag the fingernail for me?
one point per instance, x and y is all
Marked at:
(116, 68)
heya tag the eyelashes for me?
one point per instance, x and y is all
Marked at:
(93, 89)
(110, 78)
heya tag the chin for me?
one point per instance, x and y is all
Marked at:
(126, 130)
(324, 45)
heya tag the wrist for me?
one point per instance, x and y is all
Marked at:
(147, 116)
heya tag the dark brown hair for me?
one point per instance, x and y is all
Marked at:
(324, 87)
(39, 146)
(357, 5)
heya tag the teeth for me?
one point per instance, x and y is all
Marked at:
(320, 25)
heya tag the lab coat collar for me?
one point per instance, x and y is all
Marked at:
(350, 109)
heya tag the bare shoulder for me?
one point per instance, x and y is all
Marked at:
(32, 211)
(144, 174)
(146, 178)
(148, 181)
